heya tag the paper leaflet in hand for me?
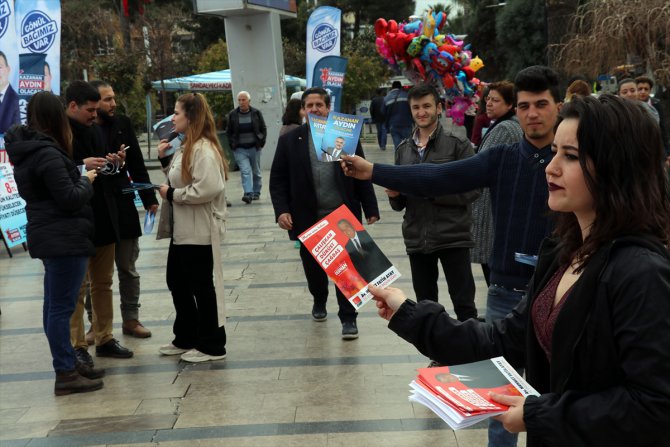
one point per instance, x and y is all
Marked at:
(149, 218)
(348, 255)
(317, 126)
(340, 136)
(138, 187)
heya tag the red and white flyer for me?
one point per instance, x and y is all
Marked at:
(349, 256)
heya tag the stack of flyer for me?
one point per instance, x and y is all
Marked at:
(459, 395)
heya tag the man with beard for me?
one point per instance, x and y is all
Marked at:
(117, 134)
(82, 100)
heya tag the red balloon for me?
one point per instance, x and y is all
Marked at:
(392, 26)
(448, 81)
(380, 27)
(469, 72)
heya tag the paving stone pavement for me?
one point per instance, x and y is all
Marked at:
(287, 380)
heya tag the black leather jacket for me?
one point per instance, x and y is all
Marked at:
(608, 382)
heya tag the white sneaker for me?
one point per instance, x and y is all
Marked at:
(195, 356)
(171, 349)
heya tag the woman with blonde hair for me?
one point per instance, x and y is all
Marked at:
(193, 217)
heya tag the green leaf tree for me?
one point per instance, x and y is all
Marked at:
(215, 58)
(521, 35)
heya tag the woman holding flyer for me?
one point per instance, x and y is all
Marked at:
(60, 227)
(592, 330)
(192, 216)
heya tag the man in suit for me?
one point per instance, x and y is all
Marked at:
(9, 100)
(333, 153)
(304, 190)
(117, 133)
(367, 258)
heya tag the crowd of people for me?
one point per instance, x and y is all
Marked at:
(575, 183)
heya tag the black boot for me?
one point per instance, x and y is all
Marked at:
(88, 371)
(68, 382)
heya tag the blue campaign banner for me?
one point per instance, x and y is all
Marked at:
(323, 37)
(329, 73)
(38, 27)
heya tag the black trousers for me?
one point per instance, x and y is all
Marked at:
(458, 271)
(190, 278)
(317, 283)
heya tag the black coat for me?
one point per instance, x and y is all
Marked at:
(60, 219)
(86, 142)
(608, 382)
(117, 131)
(292, 184)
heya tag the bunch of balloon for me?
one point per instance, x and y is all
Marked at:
(423, 52)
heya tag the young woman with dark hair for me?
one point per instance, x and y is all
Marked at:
(592, 330)
(293, 116)
(193, 216)
(60, 227)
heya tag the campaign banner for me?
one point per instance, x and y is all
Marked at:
(348, 255)
(13, 219)
(341, 136)
(38, 26)
(323, 37)
(317, 127)
(329, 73)
(9, 73)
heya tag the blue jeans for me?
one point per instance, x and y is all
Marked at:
(500, 302)
(399, 133)
(381, 135)
(62, 279)
(249, 161)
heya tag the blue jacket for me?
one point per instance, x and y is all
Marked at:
(396, 109)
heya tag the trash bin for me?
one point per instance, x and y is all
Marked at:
(225, 144)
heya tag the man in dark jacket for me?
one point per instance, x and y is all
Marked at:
(644, 85)
(117, 134)
(378, 117)
(436, 229)
(304, 190)
(246, 133)
(81, 108)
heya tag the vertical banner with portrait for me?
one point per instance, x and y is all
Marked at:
(329, 73)
(9, 73)
(38, 26)
(323, 37)
(348, 255)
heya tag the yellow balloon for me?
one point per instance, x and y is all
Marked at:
(476, 63)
